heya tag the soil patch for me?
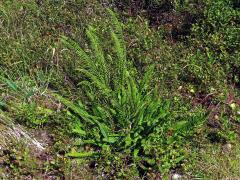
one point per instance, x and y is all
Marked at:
(176, 23)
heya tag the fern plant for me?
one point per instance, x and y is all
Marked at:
(128, 110)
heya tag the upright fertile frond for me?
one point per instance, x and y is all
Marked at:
(73, 45)
(98, 55)
(121, 55)
(116, 24)
(89, 66)
(119, 45)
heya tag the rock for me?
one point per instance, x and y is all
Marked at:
(227, 148)
(12, 133)
(176, 176)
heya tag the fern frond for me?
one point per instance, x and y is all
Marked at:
(98, 55)
(95, 79)
(119, 46)
(89, 66)
(81, 53)
(76, 109)
(116, 23)
(121, 57)
(86, 61)
(81, 111)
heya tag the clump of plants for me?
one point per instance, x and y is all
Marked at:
(216, 36)
(122, 121)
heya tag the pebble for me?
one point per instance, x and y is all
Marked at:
(176, 176)
(227, 148)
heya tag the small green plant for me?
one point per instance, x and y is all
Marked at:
(25, 107)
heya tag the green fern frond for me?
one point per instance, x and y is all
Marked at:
(119, 47)
(96, 68)
(116, 23)
(81, 111)
(95, 79)
(81, 53)
(121, 55)
(98, 55)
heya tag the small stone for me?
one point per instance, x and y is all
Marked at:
(176, 176)
(227, 148)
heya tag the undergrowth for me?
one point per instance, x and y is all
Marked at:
(146, 89)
